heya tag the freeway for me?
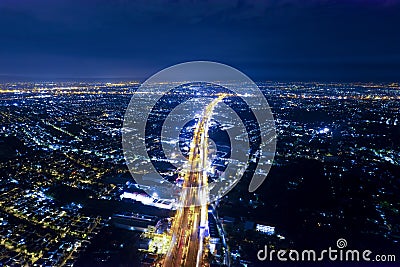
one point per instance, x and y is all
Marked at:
(189, 227)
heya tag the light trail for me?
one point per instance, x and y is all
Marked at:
(190, 223)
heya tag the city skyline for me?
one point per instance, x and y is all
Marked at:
(199, 132)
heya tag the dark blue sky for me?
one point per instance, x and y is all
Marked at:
(268, 40)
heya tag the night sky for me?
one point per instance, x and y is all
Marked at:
(287, 40)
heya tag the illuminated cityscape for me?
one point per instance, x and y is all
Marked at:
(229, 133)
(67, 198)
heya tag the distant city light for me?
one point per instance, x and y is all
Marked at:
(269, 230)
(325, 130)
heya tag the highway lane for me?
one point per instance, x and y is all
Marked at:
(190, 222)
